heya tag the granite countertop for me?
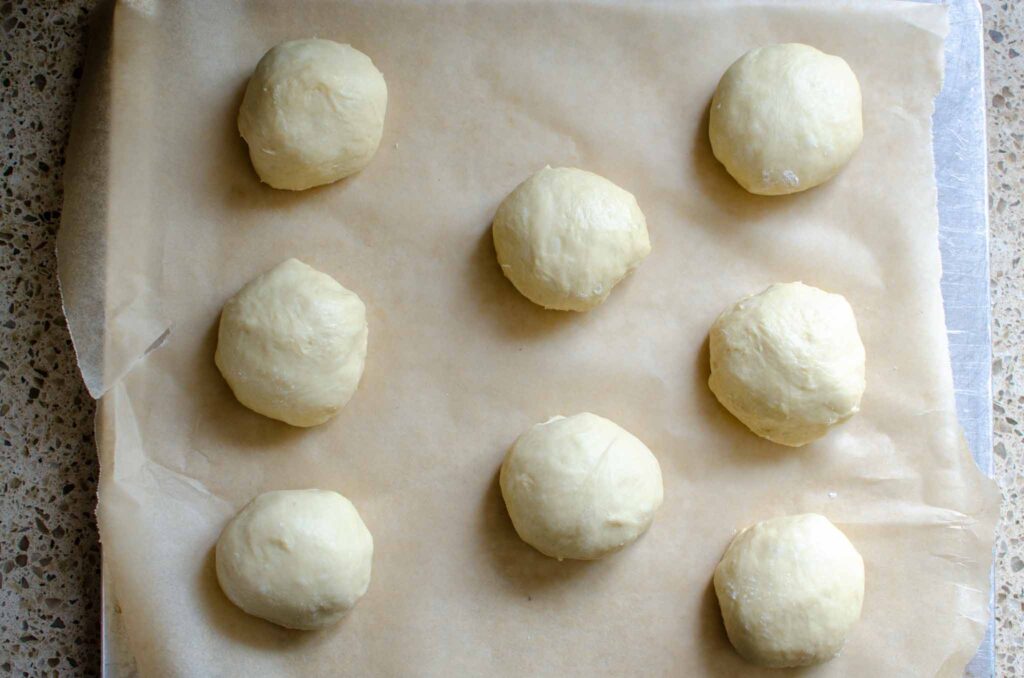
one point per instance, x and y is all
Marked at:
(49, 558)
(1004, 69)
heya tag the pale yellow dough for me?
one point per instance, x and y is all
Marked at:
(292, 344)
(785, 118)
(313, 113)
(565, 237)
(580, 487)
(298, 558)
(788, 362)
(790, 589)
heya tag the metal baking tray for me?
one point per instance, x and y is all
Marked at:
(961, 174)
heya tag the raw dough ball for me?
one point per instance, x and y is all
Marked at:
(313, 113)
(786, 118)
(298, 558)
(788, 362)
(292, 344)
(790, 590)
(566, 237)
(580, 487)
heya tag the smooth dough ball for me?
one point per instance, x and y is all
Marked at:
(790, 590)
(566, 237)
(786, 118)
(313, 113)
(788, 362)
(580, 487)
(298, 558)
(292, 344)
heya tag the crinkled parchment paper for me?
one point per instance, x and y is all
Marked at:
(165, 219)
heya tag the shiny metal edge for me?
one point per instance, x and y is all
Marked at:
(961, 173)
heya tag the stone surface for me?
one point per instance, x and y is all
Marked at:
(1004, 64)
(49, 553)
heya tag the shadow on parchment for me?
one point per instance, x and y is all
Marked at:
(717, 654)
(737, 442)
(244, 628)
(512, 315)
(232, 175)
(737, 203)
(526, 570)
(236, 424)
(714, 642)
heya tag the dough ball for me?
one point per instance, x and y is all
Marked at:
(298, 558)
(786, 118)
(580, 487)
(292, 344)
(313, 113)
(790, 590)
(566, 237)
(788, 362)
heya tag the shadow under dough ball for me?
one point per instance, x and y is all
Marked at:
(313, 113)
(785, 118)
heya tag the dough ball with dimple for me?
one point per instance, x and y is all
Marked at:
(292, 344)
(580, 487)
(565, 237)
(788, 362)
(786, 118)
(313, 113)
(790, 590)
(298, 558)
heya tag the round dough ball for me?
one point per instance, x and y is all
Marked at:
(566, 237)
(292, 344)
(790, 590)
(313, 113)
(580, 487)
(786, 118)
(788, 362)
(298, 558)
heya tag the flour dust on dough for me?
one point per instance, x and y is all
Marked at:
(786, 118)
(790, 589)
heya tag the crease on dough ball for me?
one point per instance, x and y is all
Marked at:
(297, 558)
(790, 590)
(785, 118)
(292, 344)
(565, 237)
(788, 362)
(313, 113)
(580, 487)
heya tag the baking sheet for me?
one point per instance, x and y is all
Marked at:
(961, 169)
(466, 364)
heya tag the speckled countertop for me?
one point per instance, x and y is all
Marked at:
(1004, 66)
(49, 553)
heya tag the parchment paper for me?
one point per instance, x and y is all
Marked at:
(166, 219)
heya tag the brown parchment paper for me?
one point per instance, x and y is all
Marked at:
(166, 219)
